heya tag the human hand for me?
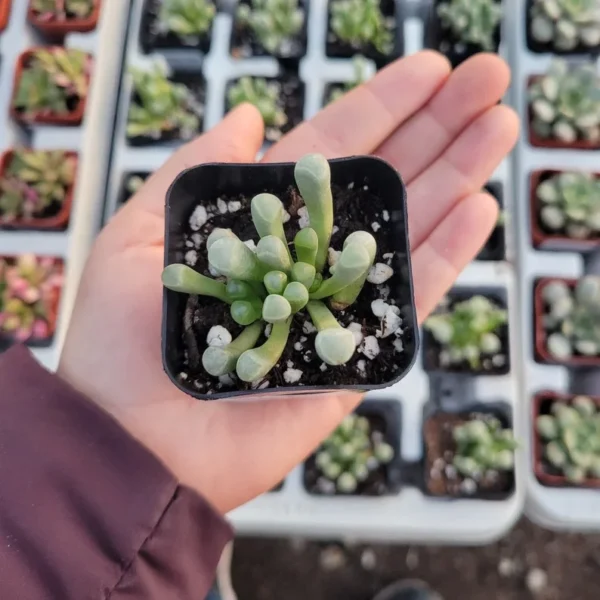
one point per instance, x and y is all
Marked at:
(445, 134)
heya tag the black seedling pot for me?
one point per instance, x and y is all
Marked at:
(204, 184)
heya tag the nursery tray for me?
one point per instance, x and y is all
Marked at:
(91, 141)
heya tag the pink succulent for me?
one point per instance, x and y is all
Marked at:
(40, 329)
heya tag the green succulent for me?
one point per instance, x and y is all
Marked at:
(60, 10)
(472, 21)
(483, 445)
(52, 77)
(162, 106)
(571, 435)
(571, 203)
(360, 23)
(572, 318)
(350, 454)
(134, 183)
(274, 23)
(268, 285)
(565, 103)
(187, 19)
(359, 64)
(566, 24)
(264, 95)
(467, 331)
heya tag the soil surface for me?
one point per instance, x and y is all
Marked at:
(295, 570)
(442, 478)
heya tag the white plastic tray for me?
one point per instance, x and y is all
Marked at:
(92, 141)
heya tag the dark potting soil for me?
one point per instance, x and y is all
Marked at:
(441, 477)
(244, 44)
(50, 211)
(151, 38)
(197, 85)
(291, 100)
(495, 247)
(353, 208)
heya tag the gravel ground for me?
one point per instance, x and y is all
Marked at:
(528, 563)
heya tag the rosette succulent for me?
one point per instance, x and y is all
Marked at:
(187, 19)
(61, 10)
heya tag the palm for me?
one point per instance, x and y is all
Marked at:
(444, 133)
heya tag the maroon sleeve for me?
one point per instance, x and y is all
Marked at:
(86, 512)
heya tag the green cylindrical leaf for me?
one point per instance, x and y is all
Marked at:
(306, 244)
(217, 234)
(334, 344)
(181, 278)
(235, 260)
(219, 360)
(267, 215)
(276, 309)
(304, 274)
(316, 283)
(245, 312)
(275, 282)
(240, 290)
(271, 251)
(297, 295)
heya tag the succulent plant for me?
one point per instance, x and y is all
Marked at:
(350, 454)
(571, 203)
(359, 64)
(187, 19)
(52, 78)
(33, 181)
(483, 445)
(566, 24)
(274, 23)
(472, 22)
(572, 318)
(264, 95)
(571, 434)
(134, 184)
(360, 23)
(565, 103)
(269, 285)
(162, 106)
(61, 10)
(27, 286)
(467, 331)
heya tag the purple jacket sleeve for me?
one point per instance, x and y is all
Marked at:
(86, 512)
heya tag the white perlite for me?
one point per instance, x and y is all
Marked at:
(292, 375)
(298, 346)
(226, 380)
(191, 257)
(218, 336)
(378, 307)
(370, 347)
(536, 580)
(386, 216)
(323, 367)
(388, 256)
(197, 239)
(198, 218)
(507, 567)
(251, 244)
(222, 206)
(356, 330)
(286, 216)
(379, 273)
(303, 220)
(234, 205)
(390, 323)
(308, 327)
(398, 345)
(334, 229)
(375, 226)
(361, 367)
(268, 329)
(333, 256)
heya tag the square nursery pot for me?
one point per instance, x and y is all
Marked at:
(53, 219)
(441, 39)
(545, 473)
(243, 43)
(362, 188)
(545, 240)
(5, 6)
(385, 416)
(540, 336)
(495, 247)
(151, 39)
(57, 30)
(337, 49)
(439, 445)
(72, 119)
(431, 348)
(124, 193)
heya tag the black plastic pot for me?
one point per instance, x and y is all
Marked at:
(385, 416)
(431, 348)
(495, 247)
(205, 183)
(124, 193)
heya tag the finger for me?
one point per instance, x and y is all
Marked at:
(463, 169)
(473, 87)
(450, 247)
(363, 118)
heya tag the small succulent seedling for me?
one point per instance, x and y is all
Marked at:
(472, 22)
(350, 454)
(50, 80)
(26, 289)
(60, 10)
(33, 181)
(483, 446)
(565, 103)
(467, 331)
(359, 64)
(274, 23)
(360, 23)
(566, 24)
(571, 203)
(571, 434)
(187, 19)
(270, 285)
(572, 318)
(134, 183)
(264, 95)
(161, 106)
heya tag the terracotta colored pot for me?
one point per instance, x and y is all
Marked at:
(540, 337)
(56, 30)
(58, 221)
(539, 142)
(552, 241)
(73, 118)
(539, 468)
(5, 6)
